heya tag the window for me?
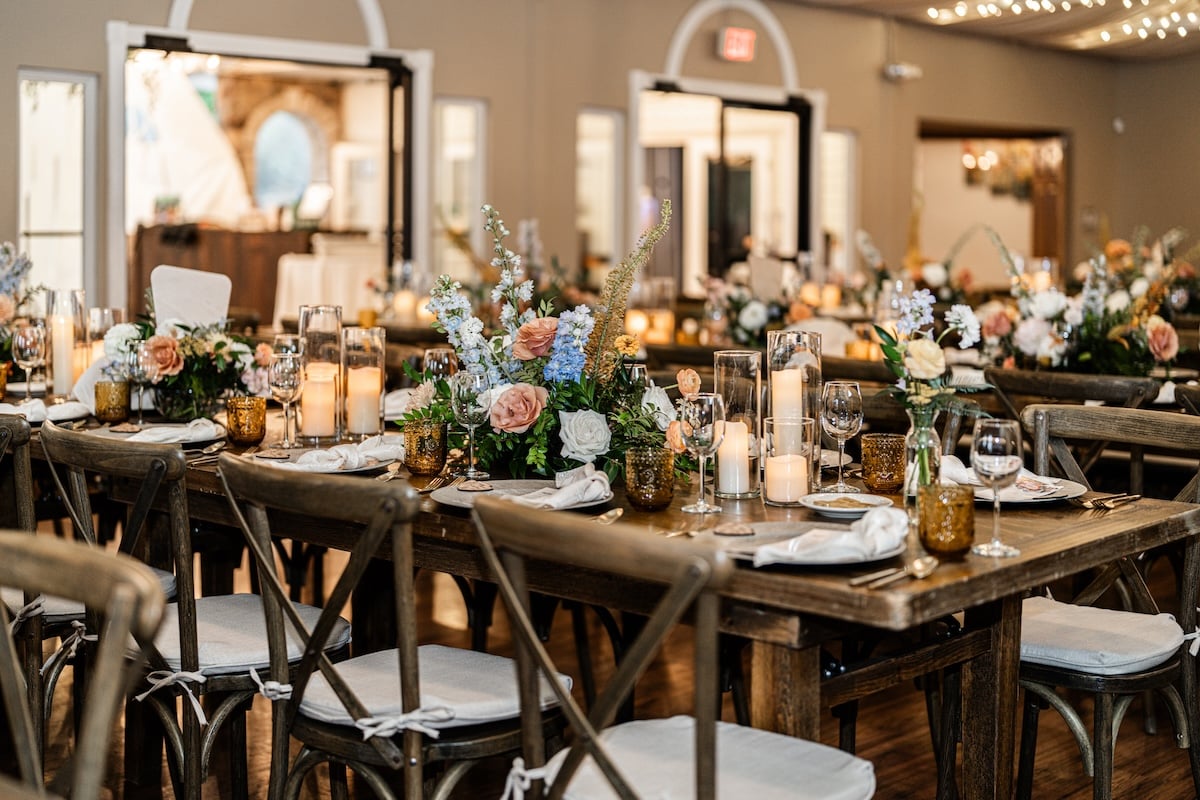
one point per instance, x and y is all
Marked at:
(283, 156)
(839, 150)
(459, 136)
(598, 169)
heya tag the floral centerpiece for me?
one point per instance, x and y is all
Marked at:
(914, 355)
(561, 393)
(14, 270)
(194, 367)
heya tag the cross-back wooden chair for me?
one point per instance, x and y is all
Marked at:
(1113, 655)
(682, 755)
(207, 647)
(392, 713)
(126, 600)
(1018, 388)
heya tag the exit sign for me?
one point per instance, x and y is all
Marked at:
(736, 44)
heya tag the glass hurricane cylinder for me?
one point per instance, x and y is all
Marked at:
(363, 351)
(787, 459)
(321, 360)
(68, 347)
(737, 377)
(99, 322)
(794, 382)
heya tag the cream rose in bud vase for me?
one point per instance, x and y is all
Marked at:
(924, 359)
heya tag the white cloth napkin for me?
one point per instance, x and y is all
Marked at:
(1028, 486)
(880, 530)
(198, 430)
(395, 403)
(348, 456)
(36, 410)
(574, 487)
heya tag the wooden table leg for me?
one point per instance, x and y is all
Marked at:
(785, 690)
(989, 706)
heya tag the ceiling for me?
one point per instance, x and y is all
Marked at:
(1135, 29)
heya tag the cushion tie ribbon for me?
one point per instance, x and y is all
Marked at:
(272, 690)
(520, 780)
(161, 678)
(412, 721)
(33, 608)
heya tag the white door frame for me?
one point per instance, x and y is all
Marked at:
(123, 35)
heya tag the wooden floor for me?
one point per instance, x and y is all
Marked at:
(892, 728)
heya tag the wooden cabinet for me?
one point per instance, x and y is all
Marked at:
(249, 259)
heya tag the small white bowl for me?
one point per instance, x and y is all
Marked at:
(824, 504)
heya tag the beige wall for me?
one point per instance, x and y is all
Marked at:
(539, 61)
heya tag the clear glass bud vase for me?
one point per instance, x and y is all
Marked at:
(922, 456)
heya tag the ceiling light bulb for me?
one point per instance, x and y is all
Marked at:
(1146, 23)
(1032, 5)
(1104, 35)
(1142, 32)
(960, 9)
(1127, 28)
(1066, 6)
(968, 161)
(1145, 2)
(1129, 3)
(1161, 33)
(1192, 16)
(932, 13)
(1182, 31)
(1163, 22)
(1016, 9)
(1175, 16)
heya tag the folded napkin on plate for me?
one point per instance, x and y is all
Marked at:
(198, 430)
(1028, 485)
(348, 456)
(37, 410)
(578, 486)
(879, 531)
(396, 403)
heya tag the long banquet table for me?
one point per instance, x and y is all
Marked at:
(788, 612)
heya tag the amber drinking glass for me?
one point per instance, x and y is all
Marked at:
(425, 446)
(946, 519)
(883, 461)
(112, 401)
(246, 419)
(649, 477)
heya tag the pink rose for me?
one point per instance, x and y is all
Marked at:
(165, 352)
(535, 338)
(997, 325)
(1163, 341)
(517, 408)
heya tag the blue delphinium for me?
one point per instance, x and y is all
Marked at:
(566, 355)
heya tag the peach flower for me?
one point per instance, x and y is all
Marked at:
(517, 408)
(166, 355)
(1162, 339)
(8, 309)
(997, 325)
(1117, 249)
(535, 338)
(675, 437)
(262, 354)
(1185, 271)
(798, 312)
(688, 381)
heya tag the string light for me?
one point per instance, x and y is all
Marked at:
(1161, 24)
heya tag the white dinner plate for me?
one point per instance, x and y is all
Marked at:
(452, 496)
(820, 502)
(188, 442)
(372, 465)
(17, 388)
(1065, 491)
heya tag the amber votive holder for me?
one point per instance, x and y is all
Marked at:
(649, 477)
(112, 401)
(883, 462)
(246, 419)
(425, 446)
(946, 519)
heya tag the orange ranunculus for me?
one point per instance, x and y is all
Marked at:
(1117, 249)
(688, 381)
(517, 408)
(798, 312)
(675, 437)
(165, 353)
(1162, 339)
(535, 338)
(262, 354)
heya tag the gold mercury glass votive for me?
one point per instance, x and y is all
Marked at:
(883, 461)
(946, 519)
(425, 446)
(246, 419)
(649, 477)
(112, 401)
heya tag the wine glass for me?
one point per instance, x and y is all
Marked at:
(841, 418)
(143, 371)
(467, 396)
(703, 418)
(29, 351)
(286, 343)
(996, 458)
(285, 376)
(440, 362)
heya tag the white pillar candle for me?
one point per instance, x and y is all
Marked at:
(62, 363)
(787, 393)
(786, 478)
(405, 306)
(318, 402)
(364, 388)
(733, 459)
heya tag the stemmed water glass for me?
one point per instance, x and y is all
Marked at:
(841, 418)
(440, 362)
(143, 371)
(996, 458)
(29, 351)
(703, 418)
(285, 376)
(467, 397)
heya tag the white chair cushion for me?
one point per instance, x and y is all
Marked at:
(656, 757)
(232, 634)
(477, 687)
(58, 609)
(1099, 641)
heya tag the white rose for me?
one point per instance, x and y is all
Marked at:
(584, 434)
(119, 340)
(170, 327)
(1138, 288)
(1052, 350)
(1029, 335)
(753, 316)
(658, 402)
(1074, 312)
(1048, 304)
(924, 359)
(935, 274)
(1118, 301)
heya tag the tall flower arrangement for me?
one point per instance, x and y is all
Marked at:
(561, 393)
